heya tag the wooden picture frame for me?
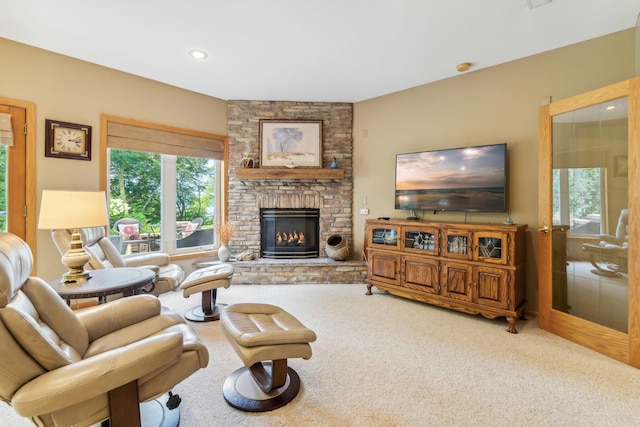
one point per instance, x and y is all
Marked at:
(620, 166)
(67, 140)
(290, 143)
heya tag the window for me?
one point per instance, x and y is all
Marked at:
(577, 199)
(141, 184)
(169, 182)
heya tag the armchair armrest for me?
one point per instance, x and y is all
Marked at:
(608, 239)
(152, 258)
(103, 319)
(96, 375)
(153, 268)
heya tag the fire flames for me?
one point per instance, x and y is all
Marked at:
(286, 239)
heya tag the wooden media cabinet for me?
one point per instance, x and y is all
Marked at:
(473, 268)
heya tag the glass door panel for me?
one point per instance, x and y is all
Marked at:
(589, 193)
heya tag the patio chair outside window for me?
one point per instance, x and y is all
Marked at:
(131, 232)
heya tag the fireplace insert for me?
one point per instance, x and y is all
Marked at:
(289, 233)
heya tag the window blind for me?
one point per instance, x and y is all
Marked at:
(138, 138)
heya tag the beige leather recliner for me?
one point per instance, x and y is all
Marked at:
(104, 254)
(63, 368)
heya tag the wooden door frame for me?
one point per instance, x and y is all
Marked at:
(621, 346)
(30, 173)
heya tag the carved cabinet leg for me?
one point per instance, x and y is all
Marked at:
(512, 325)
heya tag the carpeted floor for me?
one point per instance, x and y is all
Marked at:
(385, 361)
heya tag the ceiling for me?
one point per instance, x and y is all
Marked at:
(306, 50)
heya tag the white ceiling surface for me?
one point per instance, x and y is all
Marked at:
(306, 50)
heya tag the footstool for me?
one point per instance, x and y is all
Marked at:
(207, 281)
(259, 333)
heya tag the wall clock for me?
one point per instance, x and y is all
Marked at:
(67, 140)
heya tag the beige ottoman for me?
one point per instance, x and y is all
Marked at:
(260, 333)
(206, 281)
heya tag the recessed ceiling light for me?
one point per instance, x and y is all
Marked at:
(610, 107)
(198, 54)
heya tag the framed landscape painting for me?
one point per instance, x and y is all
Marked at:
(291, 143)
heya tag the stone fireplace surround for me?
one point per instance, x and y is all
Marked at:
(333, 197)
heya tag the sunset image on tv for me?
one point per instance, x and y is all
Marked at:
(462, 179)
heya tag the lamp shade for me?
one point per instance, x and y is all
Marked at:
(72, 209)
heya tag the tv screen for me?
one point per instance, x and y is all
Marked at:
(458, 179)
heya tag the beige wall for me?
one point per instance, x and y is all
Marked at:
(497, 104)
(66, 89)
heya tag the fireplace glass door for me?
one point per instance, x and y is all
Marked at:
(289, 233)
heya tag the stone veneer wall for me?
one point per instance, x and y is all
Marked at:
(334, 198)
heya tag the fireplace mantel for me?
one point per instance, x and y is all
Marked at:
(289, 173)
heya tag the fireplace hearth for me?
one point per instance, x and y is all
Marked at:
(289, 233)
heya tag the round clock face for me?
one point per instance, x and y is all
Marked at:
(69, 140)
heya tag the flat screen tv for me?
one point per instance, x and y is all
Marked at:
(458, 179)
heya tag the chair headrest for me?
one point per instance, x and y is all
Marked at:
(91, 235)
(16, 263)
(624, 216)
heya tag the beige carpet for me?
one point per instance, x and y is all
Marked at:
(385, 361)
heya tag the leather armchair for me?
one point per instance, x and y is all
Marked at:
(62, 368)
(104, 254)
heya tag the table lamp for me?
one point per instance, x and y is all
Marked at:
(73, 210)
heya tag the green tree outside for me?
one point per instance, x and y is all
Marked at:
(584, 193)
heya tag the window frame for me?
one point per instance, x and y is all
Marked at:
(222, 172)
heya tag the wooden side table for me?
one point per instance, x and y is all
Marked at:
(109, 281)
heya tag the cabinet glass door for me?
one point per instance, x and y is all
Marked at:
(422, 240)
(384, 236)
(491, 247)
(457, 244)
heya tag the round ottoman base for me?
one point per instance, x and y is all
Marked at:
(242, 392)
(197, 314)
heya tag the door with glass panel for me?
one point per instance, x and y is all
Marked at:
(586, 207)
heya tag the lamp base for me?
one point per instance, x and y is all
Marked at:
(75, 259)
(72, 277)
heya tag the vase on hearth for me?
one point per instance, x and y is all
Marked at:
(337, 247)
(224, 253)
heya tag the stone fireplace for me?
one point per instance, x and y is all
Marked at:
(332, 198)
